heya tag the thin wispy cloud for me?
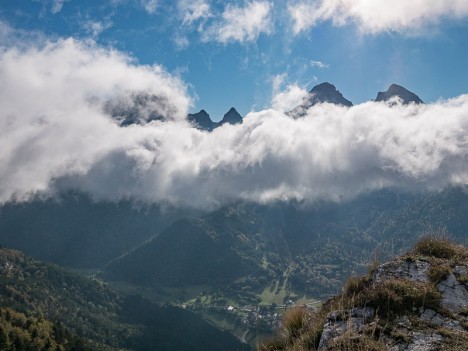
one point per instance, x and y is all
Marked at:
(149, 5)
(57, 6)
(95, 28)
(375, 16)
(241, 24)
(319, 64)
(193, 11)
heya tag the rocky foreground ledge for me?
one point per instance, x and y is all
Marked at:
(417, 302)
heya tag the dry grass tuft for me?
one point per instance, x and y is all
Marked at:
(398, 296)
(438, 273)
(439, 246)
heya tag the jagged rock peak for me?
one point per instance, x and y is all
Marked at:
(201, 120)
(324, 92)
(404, 94)
(231, 117)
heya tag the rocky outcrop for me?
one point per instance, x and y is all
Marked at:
(454, 293)
(417, 302)
(419, 328)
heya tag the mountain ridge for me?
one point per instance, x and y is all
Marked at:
(202, 120)
(320, 93)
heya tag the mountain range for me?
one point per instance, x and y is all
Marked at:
(321, 93)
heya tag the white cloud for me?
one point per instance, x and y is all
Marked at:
(374, 16)
(285, 99)
(289, 98)
(192, 11)
(56, 135)
(242, 24)
(319, 64)
(53, 117)
(149, 5)
(57, 6)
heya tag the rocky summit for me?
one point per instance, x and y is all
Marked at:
(324, 92)
(231, 117)
(202, 120)
(406, 96)
(416, 302)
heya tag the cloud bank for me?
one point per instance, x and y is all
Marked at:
(57, 135)
(374, 16)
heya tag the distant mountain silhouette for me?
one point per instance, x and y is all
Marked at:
(202, 120)
(231, 117)
(395, 90)
(324, 92)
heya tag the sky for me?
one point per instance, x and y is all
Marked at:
(240, 53)
(70, 70)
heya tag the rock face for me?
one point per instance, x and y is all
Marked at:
(406, 96)
(339, 322)
(324, 92)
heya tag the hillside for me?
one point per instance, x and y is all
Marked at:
(418, 301)
(247, 250)
(92, 311)
(75, 231)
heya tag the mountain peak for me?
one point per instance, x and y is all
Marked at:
(396, 90)
(201, 120)
(324, 92)
(231, 117)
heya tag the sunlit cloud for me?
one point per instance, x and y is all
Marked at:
(241, 24)
(64, 137)
(374, 16)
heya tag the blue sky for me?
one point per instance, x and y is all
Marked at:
(230, 53)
